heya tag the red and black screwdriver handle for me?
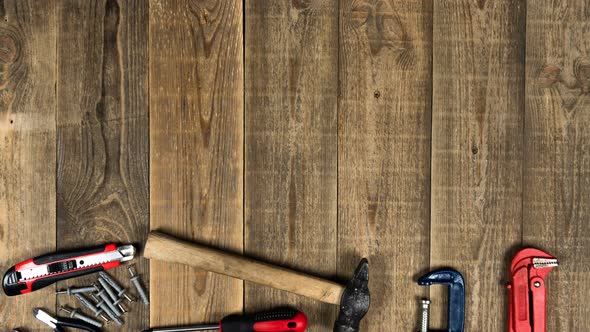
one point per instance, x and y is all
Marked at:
(60, 266)
(280, 320)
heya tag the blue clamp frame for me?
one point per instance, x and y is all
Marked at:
(456, 283)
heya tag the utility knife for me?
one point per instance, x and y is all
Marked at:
(42, 271)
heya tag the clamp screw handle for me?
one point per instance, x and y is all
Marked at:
(425, 314)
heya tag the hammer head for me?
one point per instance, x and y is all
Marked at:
(355, 300)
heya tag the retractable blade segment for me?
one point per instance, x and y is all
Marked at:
(43, 271)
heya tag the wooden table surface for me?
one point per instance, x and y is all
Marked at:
(306, 133)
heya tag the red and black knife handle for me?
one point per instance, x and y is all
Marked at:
(280, 320)
(58, 262)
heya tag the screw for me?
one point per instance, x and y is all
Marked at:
(102, 294)
(137, 283)
(96, 311)
(425, 307)
(537, 284)
(102, 305)
(120, 290)
(114, 297)
(76, 315)
(76, 290)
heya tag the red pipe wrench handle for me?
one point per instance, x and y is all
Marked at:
(520, 318)
(539, 304)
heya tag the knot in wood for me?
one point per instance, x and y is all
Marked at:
(8, 47)
(301, 4)
(549, 75)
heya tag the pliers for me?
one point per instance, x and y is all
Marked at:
(58, 323)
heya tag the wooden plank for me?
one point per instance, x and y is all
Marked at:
(27, 147)
(103, 139)
(291, 126)
(384, 152)
(477, 121)
(557, 153)
(196, 163)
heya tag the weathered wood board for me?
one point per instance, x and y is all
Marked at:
(291, 67)
(27, 147)
(557, 154)
(196, 151)
(384, 152)
(103, 134)
(477, 152)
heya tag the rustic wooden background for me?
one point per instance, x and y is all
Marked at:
(307, 133)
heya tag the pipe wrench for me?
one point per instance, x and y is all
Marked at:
(42, 271)
(527, 292)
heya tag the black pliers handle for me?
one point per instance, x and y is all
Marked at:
(58, 323)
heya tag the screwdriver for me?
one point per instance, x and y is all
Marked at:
(279, 320)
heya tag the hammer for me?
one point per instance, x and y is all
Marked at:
(353, 299)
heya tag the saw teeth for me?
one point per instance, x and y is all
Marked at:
(35, 276)
(78, 268)
(541, 263)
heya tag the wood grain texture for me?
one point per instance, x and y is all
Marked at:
(557, 153)
(196, 161)
(291, 127)
(477, 148)
(103, 138)
(27, 147)
(384, 152)
(163, 247)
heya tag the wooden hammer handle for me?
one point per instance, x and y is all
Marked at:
(164, 247)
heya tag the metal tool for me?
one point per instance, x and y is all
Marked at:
(136, 281)
(425, 314)
(116, 300)
(456, 284)
(121, 292)
(353, 299)
(95, 310)
(280, 320)
(527, 292)
(102, 294)
(77, 290)
(77, 315)
(58, 323)
(104, 307)
(43, 271)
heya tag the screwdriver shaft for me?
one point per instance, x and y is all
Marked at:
(185, 329)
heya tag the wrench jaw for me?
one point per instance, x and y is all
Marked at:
(527, 291)
(454, 280)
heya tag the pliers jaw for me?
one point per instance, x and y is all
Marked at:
(45, 318)
(58, 323)
(527, 291)
(456, 284)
